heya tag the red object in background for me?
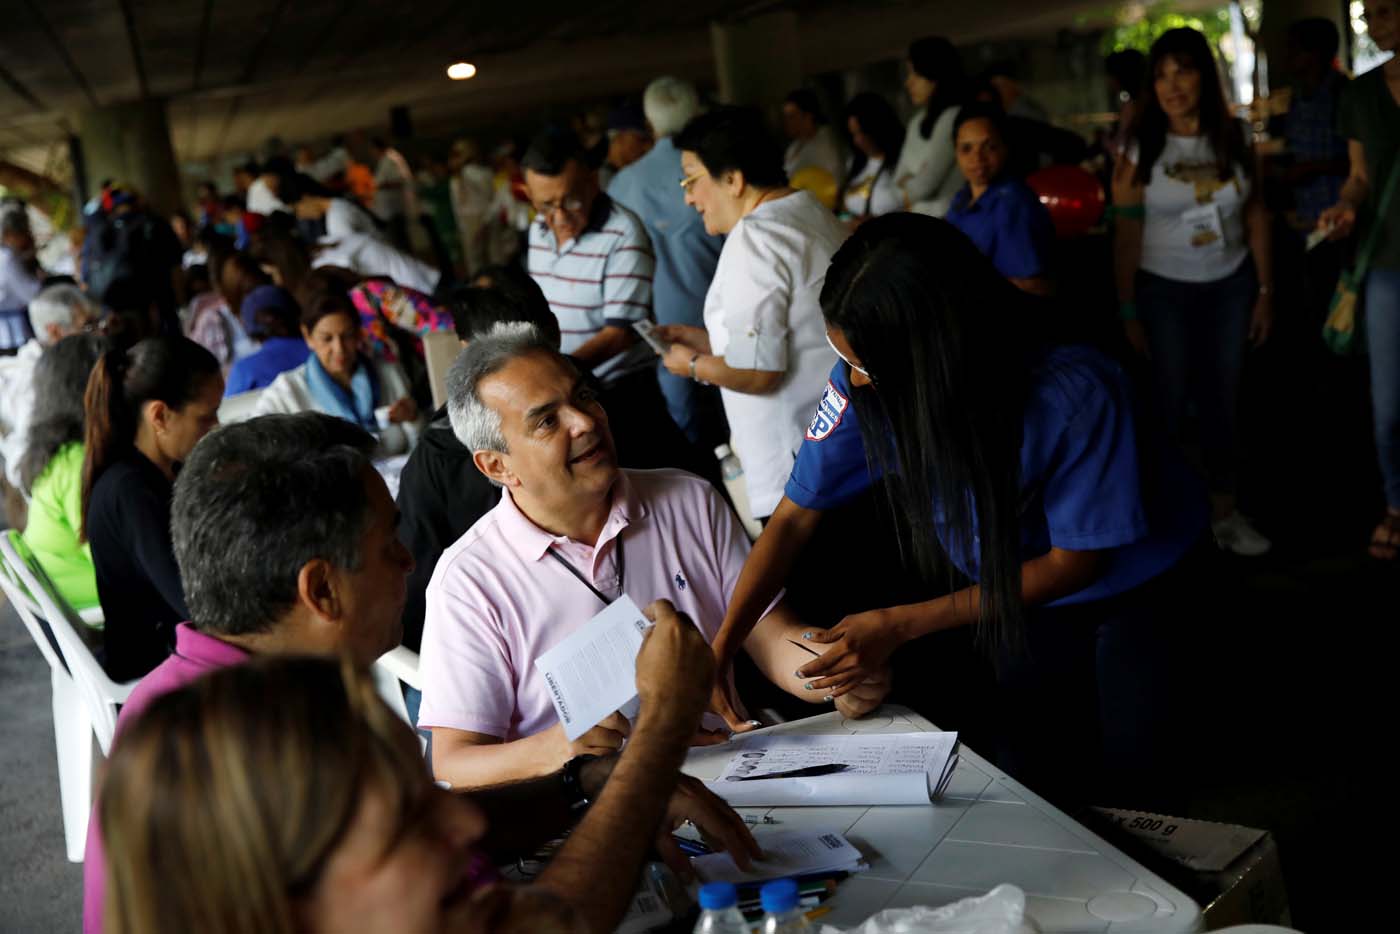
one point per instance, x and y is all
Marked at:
(1073, 197)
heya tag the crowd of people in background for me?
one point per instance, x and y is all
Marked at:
(870, 316)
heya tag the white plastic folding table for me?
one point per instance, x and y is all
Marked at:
(987, 829)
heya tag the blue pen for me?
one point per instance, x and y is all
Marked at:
(692, 847)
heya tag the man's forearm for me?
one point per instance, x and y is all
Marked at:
(471, 765)
(618, 829)
(521, 816)
(606, 344)
(778, 650)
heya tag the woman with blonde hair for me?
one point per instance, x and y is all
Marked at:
(314, 813)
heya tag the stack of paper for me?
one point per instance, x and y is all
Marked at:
(785, 855)
(874, 768)
(593, 672)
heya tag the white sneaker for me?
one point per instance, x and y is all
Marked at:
(1234, 533)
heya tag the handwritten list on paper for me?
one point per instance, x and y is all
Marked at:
(882, 768)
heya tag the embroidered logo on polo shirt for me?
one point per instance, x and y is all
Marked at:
(830, 410)
(680, 581)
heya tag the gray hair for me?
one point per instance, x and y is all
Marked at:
(669, 104)
(57, 305)
(476, 424)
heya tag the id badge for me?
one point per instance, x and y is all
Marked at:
(1204, 229)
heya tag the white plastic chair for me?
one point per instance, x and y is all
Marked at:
(395, 668)
(238, 407)
(85, 700)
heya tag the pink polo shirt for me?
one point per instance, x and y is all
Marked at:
(195, 654)
(497, 600)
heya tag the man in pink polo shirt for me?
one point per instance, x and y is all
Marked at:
(287, 543)
(571, 534)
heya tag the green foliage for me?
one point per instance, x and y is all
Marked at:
(1137, 27)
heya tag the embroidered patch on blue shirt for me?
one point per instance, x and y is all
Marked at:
(830, 410)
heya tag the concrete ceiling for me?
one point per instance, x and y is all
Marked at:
(237, 71)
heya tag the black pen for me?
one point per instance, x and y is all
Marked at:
(809, 772)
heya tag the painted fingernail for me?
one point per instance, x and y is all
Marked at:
(755, 723)
(806, 635)
(797, 674)
(828, 699)
(811, 687)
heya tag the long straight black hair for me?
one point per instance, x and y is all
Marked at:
(172, 370)
(938, 60)
(949, 345)
(1189, 49)
(878, 121)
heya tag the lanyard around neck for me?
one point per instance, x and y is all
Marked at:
(582, 579)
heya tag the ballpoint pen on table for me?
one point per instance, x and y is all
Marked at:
(810, 771)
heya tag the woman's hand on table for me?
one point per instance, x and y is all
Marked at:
(724, 701)
(865, 696)
(860, 650)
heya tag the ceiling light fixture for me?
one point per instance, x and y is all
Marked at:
(461, 71)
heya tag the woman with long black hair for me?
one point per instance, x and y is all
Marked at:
(926, 171)
(1194, 259)
(877, 137)
(145, 408)
(1021, 482)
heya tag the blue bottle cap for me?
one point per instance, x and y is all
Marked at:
(717, 896)
(779, 896)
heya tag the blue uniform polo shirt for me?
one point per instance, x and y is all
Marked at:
(258, 370)
(1083, 479)
(1009, 225)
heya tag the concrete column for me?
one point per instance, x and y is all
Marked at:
(757, 60)
(131, 143)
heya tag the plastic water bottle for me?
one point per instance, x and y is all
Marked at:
(719, 910)
(732, 471)
(729, 465)
(782, 906)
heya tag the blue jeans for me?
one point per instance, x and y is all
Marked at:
(1091, 707)
(695, 409)
(1196, 332)
(1382, 299)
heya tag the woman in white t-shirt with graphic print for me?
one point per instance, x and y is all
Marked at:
(1193, 259)
(763, 343)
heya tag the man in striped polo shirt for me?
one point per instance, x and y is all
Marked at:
(593, 259)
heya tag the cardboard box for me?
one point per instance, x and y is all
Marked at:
(1232, 871)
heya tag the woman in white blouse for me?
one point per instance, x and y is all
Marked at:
(878, 137)
(339, 379)
(927, 171)
(763, 343)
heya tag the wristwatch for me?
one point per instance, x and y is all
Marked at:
(571, 777)
(695, 356)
